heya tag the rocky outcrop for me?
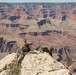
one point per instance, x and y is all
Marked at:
(1, 42)
(33, 11)
(8, 46)
(35, 63)
(65, 56)
(44, 21)
(5, 72)
(17, 14)
(8, 61)
(41, 64)
(27, 20)
(72, 68)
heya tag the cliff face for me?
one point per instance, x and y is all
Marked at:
(65, 55)
(8, 46)
(33, 11)
(42, 24)
(33, 64)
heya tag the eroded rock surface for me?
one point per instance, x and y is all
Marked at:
(8, 61)
(33, 64)
(42, 64)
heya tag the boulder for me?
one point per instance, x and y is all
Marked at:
(8, 61)
(42, 64)
(5, 72)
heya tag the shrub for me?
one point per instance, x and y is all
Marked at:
(15, 70)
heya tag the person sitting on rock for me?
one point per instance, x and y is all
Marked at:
(24, 50)
(47, 49)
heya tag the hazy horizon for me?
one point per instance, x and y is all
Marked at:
(28, 1)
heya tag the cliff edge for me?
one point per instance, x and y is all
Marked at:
(34, 64)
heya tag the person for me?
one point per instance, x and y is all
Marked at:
(47, 49)
(24, 50)
(51, 51)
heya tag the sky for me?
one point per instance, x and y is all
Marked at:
(37, 0)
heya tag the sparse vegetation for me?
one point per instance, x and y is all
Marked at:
(15, 70)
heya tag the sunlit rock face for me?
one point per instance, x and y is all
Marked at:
(42, 64)
(35, 63)
(8, 61)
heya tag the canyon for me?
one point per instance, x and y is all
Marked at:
(42, 24)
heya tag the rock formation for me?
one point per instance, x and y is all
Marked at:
(41, 64)
(65, 56)
(42, 24)
(39, 10)
(33, 64)
(72, 68)
(8, 61)
(8, 46)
